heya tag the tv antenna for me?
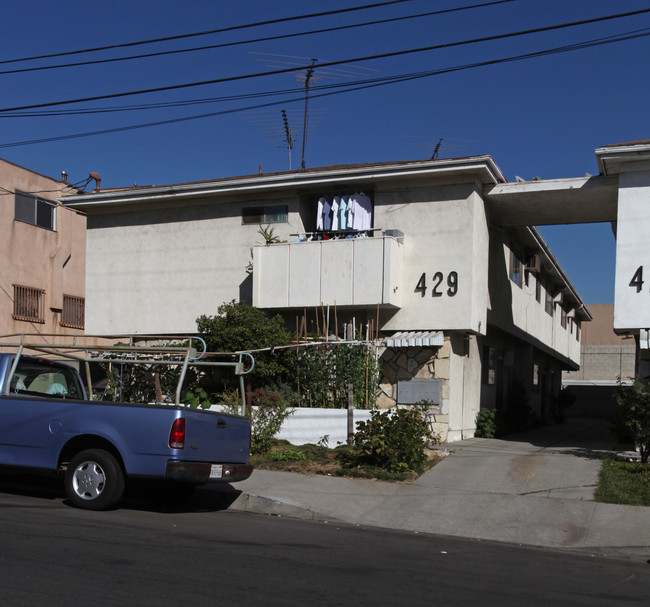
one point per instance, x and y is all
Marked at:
(307, 77)
(287, 135)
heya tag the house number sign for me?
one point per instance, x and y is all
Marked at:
(439, 285)
(637, 280)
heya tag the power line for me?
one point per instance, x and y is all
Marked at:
(207, 32)
(369, 84)
(330, 63)
(251, 40)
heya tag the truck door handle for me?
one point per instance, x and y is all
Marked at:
(221, 424)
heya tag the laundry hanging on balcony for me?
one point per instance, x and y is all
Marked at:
(344, 213)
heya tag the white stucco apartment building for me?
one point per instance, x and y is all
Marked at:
(466, 299)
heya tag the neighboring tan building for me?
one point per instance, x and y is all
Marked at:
(606, 361)
(43, 252)
(468, 303)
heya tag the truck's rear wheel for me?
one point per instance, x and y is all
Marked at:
(94, 480)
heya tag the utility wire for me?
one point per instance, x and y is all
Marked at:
(252, 40)
(371, 84)
(329, 63)
(207, 32)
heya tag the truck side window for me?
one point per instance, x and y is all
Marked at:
(35, 378)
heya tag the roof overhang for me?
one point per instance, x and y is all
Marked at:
(623, 157)
(480, 168)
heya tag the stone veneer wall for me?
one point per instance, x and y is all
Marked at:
(406, 364)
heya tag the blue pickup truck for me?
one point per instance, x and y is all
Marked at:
(48, 423)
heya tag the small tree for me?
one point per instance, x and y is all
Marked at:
(632, 418)
(238, 326)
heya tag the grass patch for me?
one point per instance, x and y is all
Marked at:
(624, 483)
(317, 459)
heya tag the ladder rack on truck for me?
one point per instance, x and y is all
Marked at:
(183, 352)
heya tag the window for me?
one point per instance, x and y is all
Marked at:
(268, 214)
(516, 268)
(40, 378)
(28, 303)
(489, 365)
(577, 330)
(548, 302)
(34, 210)
(563, 317)
(535, 377)
(538, 289)
(72, 314)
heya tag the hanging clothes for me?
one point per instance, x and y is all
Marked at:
(319, 213)
(327, 215)
(335, 213)
(343, 212)
(365, 210)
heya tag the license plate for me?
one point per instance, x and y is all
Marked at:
(216, 471)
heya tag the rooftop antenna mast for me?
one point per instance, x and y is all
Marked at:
(436, 150)
(308, 76)
(288, 137)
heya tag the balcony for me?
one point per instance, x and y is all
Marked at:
(345, 272)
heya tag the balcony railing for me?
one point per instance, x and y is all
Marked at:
(342, 272)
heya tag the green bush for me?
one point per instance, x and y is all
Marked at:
(487, 424)
(325, 372)
(267, 414)
(393, 440)
(632, 417)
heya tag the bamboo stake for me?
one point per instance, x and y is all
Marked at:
(336, 323)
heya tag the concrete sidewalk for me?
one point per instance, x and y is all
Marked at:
(535, 488)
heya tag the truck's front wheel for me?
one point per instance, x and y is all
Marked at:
(94, 480)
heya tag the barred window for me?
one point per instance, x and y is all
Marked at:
(72, 314)
(28, 303)
(34, 210)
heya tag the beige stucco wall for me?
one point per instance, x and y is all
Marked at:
(36, 257)
(445, 231)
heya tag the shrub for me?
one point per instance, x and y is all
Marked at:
(267, 414)
(393, 440)
(632, 416)
(487, 423)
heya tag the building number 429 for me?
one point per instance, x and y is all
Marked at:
(438, 286)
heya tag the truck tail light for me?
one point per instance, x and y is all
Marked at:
(177, 434)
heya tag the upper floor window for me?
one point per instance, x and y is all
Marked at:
(34, 210)
(266, 214)
(516, 268)
(538, 289)
(72, 313)
(548, 302)
(563, 317)
(28, 304)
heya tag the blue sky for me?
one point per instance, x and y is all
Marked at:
(540, 117)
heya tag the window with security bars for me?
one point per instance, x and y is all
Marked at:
(34, 210)
(72, 314)
(28, 304)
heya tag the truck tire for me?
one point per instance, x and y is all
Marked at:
(94, 480)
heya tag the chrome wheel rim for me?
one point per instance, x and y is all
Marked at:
(88, 480)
